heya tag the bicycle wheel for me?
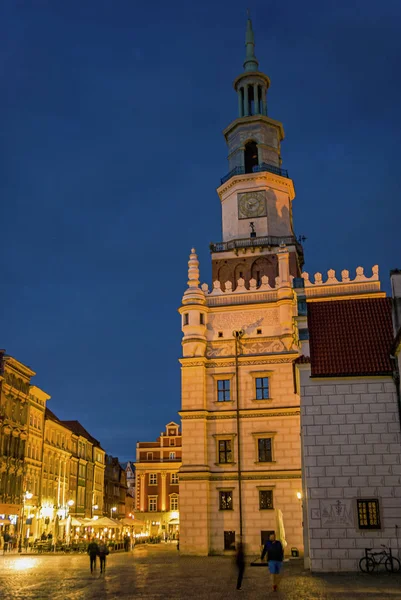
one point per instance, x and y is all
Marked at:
(392, 564)
(367, 564)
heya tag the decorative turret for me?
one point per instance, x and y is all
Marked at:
(252, 85)
(193, 312)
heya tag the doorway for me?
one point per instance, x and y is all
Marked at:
(229, 540)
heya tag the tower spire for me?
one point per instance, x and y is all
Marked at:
(251, 62)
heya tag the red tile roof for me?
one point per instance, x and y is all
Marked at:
(79, 429)
(350, 337)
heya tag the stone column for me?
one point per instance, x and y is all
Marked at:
(240, 107)
(142, 492)
(256, 98)
(246, 101)
(163, 491)
(264, 100)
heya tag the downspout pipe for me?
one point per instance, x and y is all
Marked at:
(237, 337)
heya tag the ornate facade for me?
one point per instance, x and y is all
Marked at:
(14, 410)
(157, 492)
(240, 410)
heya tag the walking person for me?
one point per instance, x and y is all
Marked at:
(240, 562)
(6, 541)
(93, 551)
(103, 552)
(275, 554)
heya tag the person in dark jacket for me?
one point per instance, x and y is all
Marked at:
(275, 555)
(93, 551)
(103, 552)
(240, 562)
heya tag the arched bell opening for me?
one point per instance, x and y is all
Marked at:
(251, 156)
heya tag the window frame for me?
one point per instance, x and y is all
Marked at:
(174, 498)
(224, 389)
(171, 456)
(262, 491)
(175, 475)
(224, 377)
(223, 437)
(262, 375)
(366, 502)
(260, 435)
(224, 493)
(151, 475)
(152, 499)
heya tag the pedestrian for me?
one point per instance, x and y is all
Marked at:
(93, 551)
(6, 541)
(126, 543)
(103, 552)
(240, 562)
(43, 537)
(275, 554)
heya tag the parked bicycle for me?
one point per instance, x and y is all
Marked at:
(371, 560)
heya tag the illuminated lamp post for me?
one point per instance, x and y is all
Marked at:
(25, 496)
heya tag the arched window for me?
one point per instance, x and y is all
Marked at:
(251, 156)
(224, 275)
(262, 266)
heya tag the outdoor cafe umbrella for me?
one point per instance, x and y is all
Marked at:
(74, 522)
(104, 522)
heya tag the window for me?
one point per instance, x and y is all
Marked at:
(152, 478)
(368, 514)
(152, 503)
(174, 478)
(265, 450)
(262, 388)
(223, 390)
(220, 334)
(226, 500)
(173, 502)
(149, 456)
(201, 319)
(225, 451)
(259, 332)
(186, 319)
(172, 456)
(172, 442)
(265, 499)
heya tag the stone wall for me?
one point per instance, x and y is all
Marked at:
(351, 450)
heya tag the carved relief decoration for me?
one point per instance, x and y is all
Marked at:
(247, 320)
(263, 347)
(336, 513)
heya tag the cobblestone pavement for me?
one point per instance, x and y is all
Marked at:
(159, 572)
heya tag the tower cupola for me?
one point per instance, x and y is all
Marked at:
(252, 85)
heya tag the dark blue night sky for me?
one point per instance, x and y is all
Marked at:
(110, 153)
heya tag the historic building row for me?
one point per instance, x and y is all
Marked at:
(50, 469)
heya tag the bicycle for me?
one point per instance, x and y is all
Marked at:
(371, 560)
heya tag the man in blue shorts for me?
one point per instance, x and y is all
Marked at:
(275, 555)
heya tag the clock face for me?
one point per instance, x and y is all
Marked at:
(251, 205)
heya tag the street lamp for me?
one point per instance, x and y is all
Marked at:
(70, 503)
(112, 510)
(25, 496)
(299, 495)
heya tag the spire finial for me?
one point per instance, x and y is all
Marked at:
(193, 294)
(193, 269)
(251, 62)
